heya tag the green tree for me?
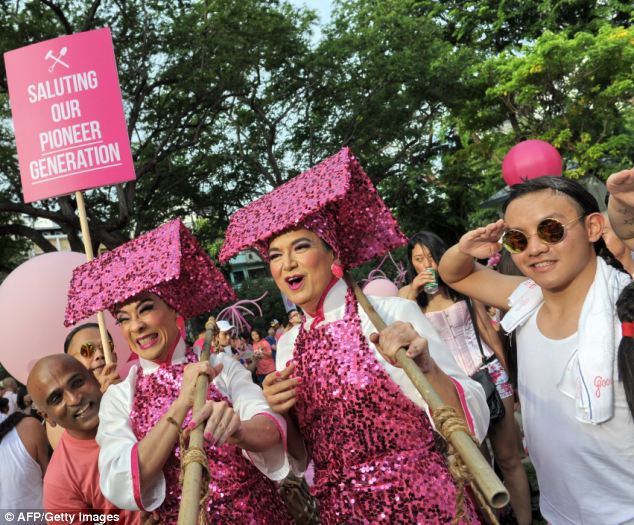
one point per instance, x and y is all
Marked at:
(189, 71)
(226, 99)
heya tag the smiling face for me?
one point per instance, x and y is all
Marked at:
(67, 394)
(554, 266)
(85, 346)
(300, 265)
(149, 326)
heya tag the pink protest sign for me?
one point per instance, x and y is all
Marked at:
(70, 129)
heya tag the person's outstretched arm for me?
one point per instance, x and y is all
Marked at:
(460, 271)
(621, 205)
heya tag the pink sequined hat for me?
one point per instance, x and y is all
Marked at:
(335, 199)
(167, 261)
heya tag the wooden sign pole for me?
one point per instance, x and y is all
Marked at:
(85, 233)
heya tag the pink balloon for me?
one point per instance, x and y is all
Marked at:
(32, 304)
(381, 288)
(531, 159)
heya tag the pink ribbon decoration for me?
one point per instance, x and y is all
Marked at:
(236, 312)
(378, 273)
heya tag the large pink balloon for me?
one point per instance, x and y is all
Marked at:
(531, 159)
(381, 287)
(32, 304)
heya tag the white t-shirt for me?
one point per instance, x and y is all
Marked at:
(21, 480)
(585, 472)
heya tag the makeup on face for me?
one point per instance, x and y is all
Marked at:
(300, 264)
(149, 326)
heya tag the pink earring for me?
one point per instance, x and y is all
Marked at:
(337, 270)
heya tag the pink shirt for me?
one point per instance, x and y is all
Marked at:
(71, 483)
(266, 365)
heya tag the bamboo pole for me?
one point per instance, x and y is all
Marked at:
(192, 475)
(85, 233)
(489, 484)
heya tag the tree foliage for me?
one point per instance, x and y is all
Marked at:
(226, 99)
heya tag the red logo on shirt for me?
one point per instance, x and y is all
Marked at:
(599, 383)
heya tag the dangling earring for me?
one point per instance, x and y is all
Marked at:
(337, 270)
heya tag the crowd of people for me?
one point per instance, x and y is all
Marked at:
(325, 393)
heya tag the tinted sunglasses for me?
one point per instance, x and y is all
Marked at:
(88, 349)
(549, 231)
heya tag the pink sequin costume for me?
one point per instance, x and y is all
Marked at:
(240, 494)
(372, 444)
(335, 199)
(170, 263)
(374, 453)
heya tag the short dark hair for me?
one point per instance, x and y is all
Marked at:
(78, 329)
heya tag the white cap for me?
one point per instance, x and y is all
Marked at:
(224, 326)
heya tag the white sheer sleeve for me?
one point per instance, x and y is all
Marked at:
(248, 401)
(119, 477)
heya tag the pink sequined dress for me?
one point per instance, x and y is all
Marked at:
(373, 448)
(240, 494)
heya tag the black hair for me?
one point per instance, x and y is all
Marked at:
(625, 355)
(437, 248)
(506, 266)
(77, 329)
(10, 423)
(4, 404)
(20, 399)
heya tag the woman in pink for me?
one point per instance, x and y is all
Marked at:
(449, 312)
(264, 355)
(348, 407)
(142, 416)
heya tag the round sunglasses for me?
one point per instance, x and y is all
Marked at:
(89, 349)
(549, 231)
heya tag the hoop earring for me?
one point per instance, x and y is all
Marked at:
(337, 270)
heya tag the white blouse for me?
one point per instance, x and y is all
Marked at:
(118, 456)
(393, 309)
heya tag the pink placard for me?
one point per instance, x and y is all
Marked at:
(70, 128)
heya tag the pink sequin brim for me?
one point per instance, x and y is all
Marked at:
(335, 199)
(167, 261)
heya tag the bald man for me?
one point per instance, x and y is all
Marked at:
(67, 394)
